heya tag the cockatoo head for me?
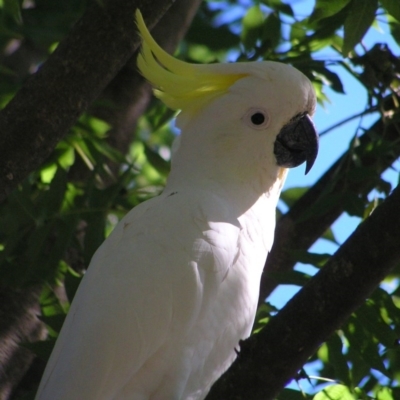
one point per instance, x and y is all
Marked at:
(236, 118)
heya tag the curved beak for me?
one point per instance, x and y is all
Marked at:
(297, 142)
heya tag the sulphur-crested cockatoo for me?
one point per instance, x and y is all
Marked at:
(174, 288)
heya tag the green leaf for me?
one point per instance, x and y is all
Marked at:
(327, 8)
(47, 173)
(162, 166)
(395, 30)
(333, 79)
(327, 27)
(392, 7)
(272, 31)
(106, 150)
(52, 199)
(329, 235)
(49, 303)
(353, 204)
(384, 393)
(335, 392)
(13, 9)
(359, 19)
(201, 32)
(290, 196)
(64, 230)
(298, 31)
(338, 360)
(360, 332)
(322, 206)
(386, 315)
(66, 155)
(252, 26)
(71, 283)
(278, 5)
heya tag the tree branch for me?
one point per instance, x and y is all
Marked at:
(45, 108)
(271, 358)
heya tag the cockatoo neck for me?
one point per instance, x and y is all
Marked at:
(242, 177)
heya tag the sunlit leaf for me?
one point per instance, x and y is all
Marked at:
(47, 173)
(67, 155)
(335, 392)
(384, 393)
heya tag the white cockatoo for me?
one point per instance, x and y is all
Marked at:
(174, 288)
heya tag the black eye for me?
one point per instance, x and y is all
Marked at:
(257, 118)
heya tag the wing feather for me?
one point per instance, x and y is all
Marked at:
(143, 291)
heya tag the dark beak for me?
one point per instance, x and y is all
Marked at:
(297, 142)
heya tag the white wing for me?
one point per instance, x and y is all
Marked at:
(130, 324)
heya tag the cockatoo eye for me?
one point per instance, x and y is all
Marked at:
(256, 118)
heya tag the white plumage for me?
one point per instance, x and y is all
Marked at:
(173, 289)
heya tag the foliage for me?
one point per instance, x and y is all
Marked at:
(53, 222)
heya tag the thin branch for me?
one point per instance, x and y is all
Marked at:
(351, 118)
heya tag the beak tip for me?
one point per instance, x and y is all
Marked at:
(308, 168)
(310, 163)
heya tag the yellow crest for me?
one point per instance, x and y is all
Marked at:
(178, 84)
